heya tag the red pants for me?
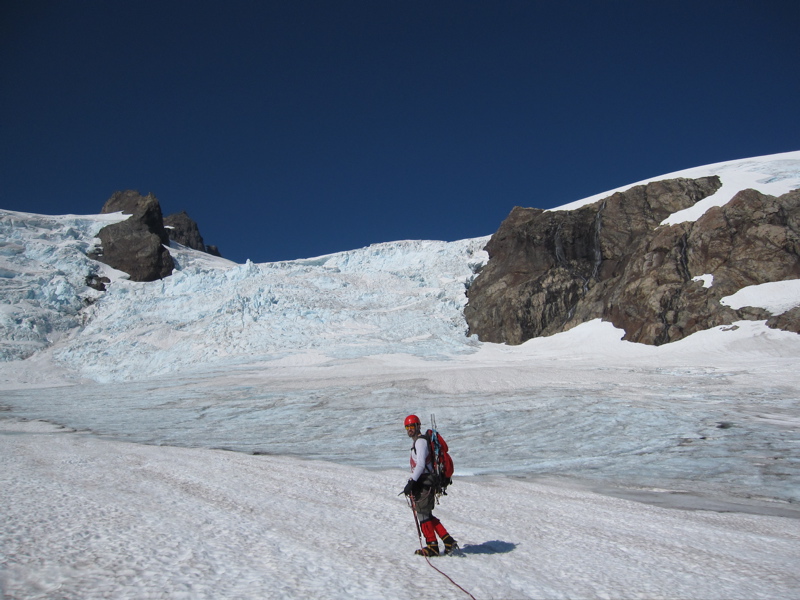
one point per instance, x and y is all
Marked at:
(431, 527)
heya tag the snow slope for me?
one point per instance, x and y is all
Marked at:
(88, 518)
(573, 453)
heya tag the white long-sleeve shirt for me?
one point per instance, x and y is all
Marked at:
(419, 459)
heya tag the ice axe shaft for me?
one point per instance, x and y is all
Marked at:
(413, 505)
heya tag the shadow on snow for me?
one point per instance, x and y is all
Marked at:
(493, 547)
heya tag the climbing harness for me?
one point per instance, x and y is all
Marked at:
(413, 506)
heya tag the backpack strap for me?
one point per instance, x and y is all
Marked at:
(424, 436)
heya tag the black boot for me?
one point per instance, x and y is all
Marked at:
(450, 545)
(431, 549)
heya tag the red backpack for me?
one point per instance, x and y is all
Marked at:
(440, 458)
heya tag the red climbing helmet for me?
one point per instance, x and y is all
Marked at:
(412, 420)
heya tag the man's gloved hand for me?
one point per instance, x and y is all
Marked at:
(412, 487)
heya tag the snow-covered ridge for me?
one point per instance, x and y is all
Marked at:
(775, 174)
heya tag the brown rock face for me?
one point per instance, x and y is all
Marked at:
(550, 271)
(136, 245)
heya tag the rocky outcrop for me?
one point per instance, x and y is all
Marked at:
(550, 271)
(138, 245)
(182, 229)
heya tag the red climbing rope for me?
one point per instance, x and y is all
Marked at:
(413, 506)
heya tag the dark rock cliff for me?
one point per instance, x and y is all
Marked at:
(550, 271)
(137, 245)
(182, 229)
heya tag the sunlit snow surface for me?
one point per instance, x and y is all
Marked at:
(88, 518)
(306, 368)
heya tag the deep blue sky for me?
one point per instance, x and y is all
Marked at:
(297, 128)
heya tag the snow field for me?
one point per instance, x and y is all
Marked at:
(90, 518)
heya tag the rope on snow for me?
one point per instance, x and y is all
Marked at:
(412, 504)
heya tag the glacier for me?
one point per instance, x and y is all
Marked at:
(164, 439)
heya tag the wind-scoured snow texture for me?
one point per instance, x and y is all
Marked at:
(88, 518)
(394, 297)
(44, 275)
